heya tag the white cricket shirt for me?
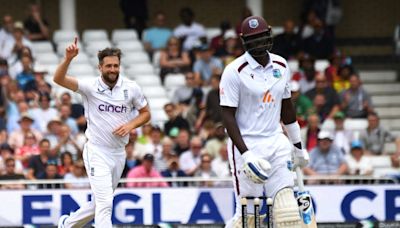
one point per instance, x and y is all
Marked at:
(106, 110)
(256, 92)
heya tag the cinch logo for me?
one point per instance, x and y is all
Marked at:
(113, 108)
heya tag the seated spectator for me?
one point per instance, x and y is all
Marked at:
(154, 147)
(310, 132)
(77, 110)
(287, 44)
(189, 31)
(161, 163)
(145, 137)
(217, 42)
(212, 111)
(303, 105)
(190, 160)
(205, 171)
(357, 163)
(16, 139)
(342, 137)
(145, 170)
(342, 82)
(67, 163)
(319, 44)
(7, 152)
(332, 71)
(175, 120)
(10, 174)
(134, 152)
(50, 174)
(188, 94)
(29, 149)
(182, 142)
(206, 64)
(37, 27)
(332, 100)
(77, 177)
(65, 116)
(355, 101)
(220, 165)
(375, 137)
(6, 31)
(26, 76)
(227, 52)
(326, 159)
(319, 103)
(37, 164)
(307, 73)
(44, 113)
(173, 170)
(155, 38)
(12, 48)
(173, 59)
(216, 140)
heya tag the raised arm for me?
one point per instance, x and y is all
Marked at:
(60, 76)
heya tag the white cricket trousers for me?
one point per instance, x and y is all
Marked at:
(277, 151)
(104, 167)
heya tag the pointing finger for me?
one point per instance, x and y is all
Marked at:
(76, 40)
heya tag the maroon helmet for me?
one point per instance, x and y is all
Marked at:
(256, 36)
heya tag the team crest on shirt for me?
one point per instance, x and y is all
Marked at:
(253, 23)
(126, 94)
(276, 73)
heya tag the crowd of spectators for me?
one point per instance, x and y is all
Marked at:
(42, 135)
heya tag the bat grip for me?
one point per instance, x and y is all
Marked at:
(300, 181)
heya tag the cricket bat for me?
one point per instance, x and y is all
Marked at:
(305, 203)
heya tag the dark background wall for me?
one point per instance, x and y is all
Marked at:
(362, 18)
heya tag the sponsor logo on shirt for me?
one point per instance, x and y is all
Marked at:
(112, 108)
(268, 98)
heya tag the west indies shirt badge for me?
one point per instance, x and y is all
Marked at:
(276, 73)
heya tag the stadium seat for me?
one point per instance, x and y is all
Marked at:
(356, 124)
(94, 47)
(385, 172)
(91, 35)
(386, 101)
(119, 35)
(64, 36)
(276, 30)
(81, 69)
(381, 161)
(61, 46)
(158, 117)
(378, 76)
(391, 112)
(81, 58)
(293, 65)
(382, 88)
(391, 124)
(130, 46)
(173, 81)
(212, 32)
(158, 103)
(47, 58)
(39, 47)
(130, 59)
(154, 92)
(139, 69)
(148, 80)
(321, 65)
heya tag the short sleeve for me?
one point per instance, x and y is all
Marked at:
(229, 88)
(138, 99)
(84, 86)
(287, 93)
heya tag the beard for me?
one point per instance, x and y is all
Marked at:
(110, 78)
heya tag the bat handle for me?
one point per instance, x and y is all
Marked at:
(300, 181)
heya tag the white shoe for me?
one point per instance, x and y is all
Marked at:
(61, 221)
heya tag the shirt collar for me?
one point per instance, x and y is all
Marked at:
(105, 86)
(254, 64)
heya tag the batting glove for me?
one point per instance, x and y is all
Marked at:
(300, 158)
(255, 168)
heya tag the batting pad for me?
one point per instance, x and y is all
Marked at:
(285, 210)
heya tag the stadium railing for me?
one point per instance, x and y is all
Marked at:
(320, 180)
